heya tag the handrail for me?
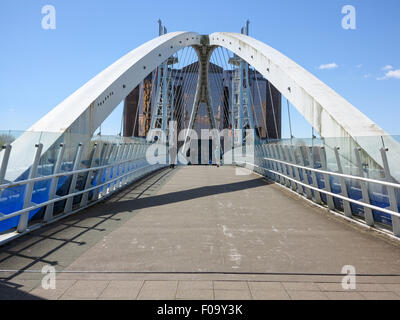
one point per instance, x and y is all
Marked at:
(43, 204)
(385, 183)
(364, 204)
(62, 174)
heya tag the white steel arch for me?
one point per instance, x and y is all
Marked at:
(331, 115)
(81, 113)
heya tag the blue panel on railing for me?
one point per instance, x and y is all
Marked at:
(379, 199)
(11, 200)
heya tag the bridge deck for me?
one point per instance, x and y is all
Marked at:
(201, 232)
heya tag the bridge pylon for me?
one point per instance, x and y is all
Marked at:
(163, 107)
(242, 114)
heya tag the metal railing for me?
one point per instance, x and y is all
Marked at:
(286, 165)
(109, 168)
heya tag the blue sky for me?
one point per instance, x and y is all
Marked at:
(40, 68)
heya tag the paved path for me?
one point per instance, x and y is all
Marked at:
(201, 232)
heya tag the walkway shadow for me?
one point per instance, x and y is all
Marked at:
(40, 247)
(33, 251)
(14, 291)
(184, 195)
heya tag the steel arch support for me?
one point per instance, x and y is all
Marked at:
(81, 113)
(330, 114)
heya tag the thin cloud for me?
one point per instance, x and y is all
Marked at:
(387, 67)
(328, 66)
(359, 66)
(392, 74)
(367, 75)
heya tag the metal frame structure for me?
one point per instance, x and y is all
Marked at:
(81, 114)
(242, 115)
(202, 94)
(163, 110)
(327, 112)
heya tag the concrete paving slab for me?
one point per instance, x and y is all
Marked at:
(231, 285)
(195, 294)
(301, 286)
(84, 289)
(53, 294)
(158, 290)
(122, 290)
(198, 285)
(232, 295)
(307, 295)
(266, 286)
(344, 295)
(270, 295)
(380, 296)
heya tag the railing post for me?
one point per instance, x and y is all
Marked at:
(116, 183)
(346, 204)
(286, 169)
(107, 171)
(270, 164)
(130, 163)
(115, 166)
(125, 165)
(317, 195)
(265, 163)
(140, 158)
(132, 167)
(72, 186)
(23, 219)
(280, 165)
(305, 176)
(329, 198)
(279, 178)
(48, 215)
(281, 157)
(296, 171)
(392, 194)
(102, 161)
(4, 164)
(369, 218)
(88, 180)
(291, 169)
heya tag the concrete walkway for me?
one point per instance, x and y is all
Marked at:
(201, 232)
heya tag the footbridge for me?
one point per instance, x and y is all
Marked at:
(199, 197)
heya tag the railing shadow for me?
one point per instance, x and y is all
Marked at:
(30, 251)
(69, 231)
(13, 291)
(185, 195)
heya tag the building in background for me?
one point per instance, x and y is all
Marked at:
(265, 100)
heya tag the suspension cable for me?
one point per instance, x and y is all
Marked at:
(186, 84)
(137, 109)
(264, 115)
(290, 122)
(273, 109)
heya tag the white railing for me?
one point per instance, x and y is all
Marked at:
(286, 165)
(127, 162)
